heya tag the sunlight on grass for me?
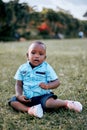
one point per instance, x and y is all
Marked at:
(69, 59)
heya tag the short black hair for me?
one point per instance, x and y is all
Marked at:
(39, 42)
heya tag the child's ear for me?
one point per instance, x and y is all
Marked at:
(45, 57)
(27, 55)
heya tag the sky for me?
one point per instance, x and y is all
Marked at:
(76, 7)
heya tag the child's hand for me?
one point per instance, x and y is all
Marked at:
(43, 85)
(22, 98)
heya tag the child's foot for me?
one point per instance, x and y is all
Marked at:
(36, 111)
(74, 105)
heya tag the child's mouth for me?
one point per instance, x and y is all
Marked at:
(36, 61)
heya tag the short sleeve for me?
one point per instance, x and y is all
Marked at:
(18, 75)
(51, 74)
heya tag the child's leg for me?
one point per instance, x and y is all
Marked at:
(19, 106)
(34, 110)
(52, 103)
(72, 105)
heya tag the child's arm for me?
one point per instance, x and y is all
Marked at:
(18, 88)
(19, 91)
(50, 85)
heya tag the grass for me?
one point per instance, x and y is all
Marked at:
(69, 59)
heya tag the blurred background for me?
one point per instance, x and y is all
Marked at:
(21, 20)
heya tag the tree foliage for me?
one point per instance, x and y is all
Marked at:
(15, 16)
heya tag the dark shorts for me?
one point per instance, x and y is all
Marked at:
(36, 100)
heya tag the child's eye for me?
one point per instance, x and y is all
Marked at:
(32, 52)
(41, 54)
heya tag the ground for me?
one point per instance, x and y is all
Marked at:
(69, 59)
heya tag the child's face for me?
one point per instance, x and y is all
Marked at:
(36, 54)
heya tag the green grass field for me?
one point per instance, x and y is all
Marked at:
(69, 59)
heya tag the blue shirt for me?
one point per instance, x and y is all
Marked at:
(31, 78)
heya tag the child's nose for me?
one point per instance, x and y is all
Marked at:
(37, 55)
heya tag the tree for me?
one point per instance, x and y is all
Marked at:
(3, 21)
(13, 15)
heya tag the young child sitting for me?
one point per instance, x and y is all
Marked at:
(34, 83)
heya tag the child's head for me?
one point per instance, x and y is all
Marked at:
(36, 53)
